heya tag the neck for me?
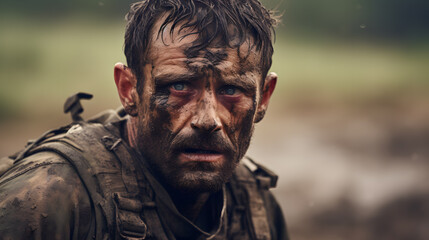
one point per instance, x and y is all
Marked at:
(189, 205)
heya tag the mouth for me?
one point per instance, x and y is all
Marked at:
(200, 151)
(200, 155)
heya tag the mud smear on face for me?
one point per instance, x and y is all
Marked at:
(247, 130)
(245, 127)
(159, 100)
(206, 59)
(216, 57)
(160, 97)
(162, 146)
(153, 134)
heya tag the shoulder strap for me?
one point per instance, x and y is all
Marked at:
(88, 178)
(107, 171)
(7, 163)
(154, 225)
(250, 186)
(265, 178)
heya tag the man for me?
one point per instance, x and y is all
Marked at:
(196, 83)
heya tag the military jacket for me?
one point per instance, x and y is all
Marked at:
(45, 196)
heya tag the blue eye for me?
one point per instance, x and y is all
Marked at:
(179, 86)
(229, 91)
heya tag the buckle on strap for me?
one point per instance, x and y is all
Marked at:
(266, 178)
(128, 222)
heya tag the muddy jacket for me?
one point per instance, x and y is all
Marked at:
(85, 182)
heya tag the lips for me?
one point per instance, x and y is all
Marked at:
(201, 148)
(200, 151)
(200, 155)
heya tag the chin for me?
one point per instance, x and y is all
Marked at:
(199, 181)
(193, 177)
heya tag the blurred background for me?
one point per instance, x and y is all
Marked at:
(347, 129)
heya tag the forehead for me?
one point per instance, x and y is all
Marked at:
(175, 48)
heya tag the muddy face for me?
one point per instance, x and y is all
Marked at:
(196, 114)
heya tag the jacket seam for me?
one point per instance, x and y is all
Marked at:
(29, 169)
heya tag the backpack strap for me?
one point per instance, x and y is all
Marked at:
(250, 180)
(106, 168)
(85, 173)
(154, 228)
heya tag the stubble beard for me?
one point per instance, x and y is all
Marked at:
(189, 177)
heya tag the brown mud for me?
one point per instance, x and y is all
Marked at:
(349, 170)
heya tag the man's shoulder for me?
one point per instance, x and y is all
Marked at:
(79, 136)
(41, 192)
(60, 160)
(49, 190)
(40, 173)
(33, 165)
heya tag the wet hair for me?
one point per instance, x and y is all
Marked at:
(210, 19)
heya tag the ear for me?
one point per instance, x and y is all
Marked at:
(267, 91)
(126, 84)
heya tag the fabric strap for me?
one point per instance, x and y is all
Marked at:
(107, 170)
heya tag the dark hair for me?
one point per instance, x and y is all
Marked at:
(211, 20)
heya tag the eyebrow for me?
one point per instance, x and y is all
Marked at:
(246, 83)
(174, 77)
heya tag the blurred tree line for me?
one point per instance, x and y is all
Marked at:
(386, 19)
(352, 18)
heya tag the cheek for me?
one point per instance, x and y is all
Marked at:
(180, 118)
(239, 119)
(170, 113)
(157, 117)
(176, 103)
(246, 125)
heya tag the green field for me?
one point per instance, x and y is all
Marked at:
(41, 64)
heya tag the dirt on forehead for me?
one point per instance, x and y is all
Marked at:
(189, 41)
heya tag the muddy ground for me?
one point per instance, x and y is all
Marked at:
(351, 170)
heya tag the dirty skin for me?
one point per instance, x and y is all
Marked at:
(162, 109)
(195, 101)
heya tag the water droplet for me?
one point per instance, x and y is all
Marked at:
(363, 26)
(100, 4)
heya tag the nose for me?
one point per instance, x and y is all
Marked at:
(206, 118)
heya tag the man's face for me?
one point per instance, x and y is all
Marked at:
(196, 114)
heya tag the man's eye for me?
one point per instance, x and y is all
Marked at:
(229, 90)
(178, 86)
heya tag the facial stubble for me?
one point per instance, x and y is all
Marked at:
(157, 144)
